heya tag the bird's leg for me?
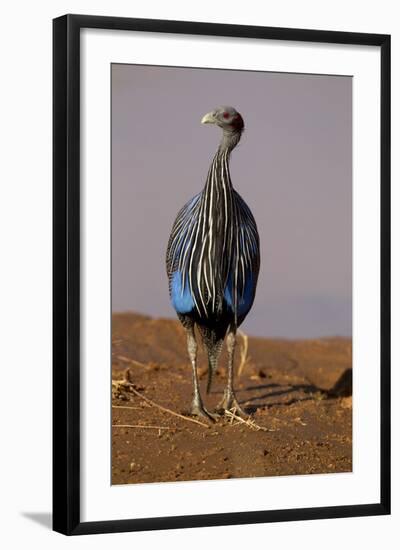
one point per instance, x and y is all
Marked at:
(197, 408)
(229, 401)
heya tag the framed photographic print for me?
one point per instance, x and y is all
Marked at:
(221, 274)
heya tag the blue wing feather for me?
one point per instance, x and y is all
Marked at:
(181, 296)
(238, 267)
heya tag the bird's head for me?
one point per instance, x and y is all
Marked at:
(226, 118)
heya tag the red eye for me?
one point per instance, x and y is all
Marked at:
(226, 115)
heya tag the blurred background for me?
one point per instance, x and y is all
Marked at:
(293, 167)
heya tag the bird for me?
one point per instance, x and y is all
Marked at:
(212, 264)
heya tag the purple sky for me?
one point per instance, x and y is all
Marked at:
(293, 167)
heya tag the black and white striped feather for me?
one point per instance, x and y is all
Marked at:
(214, 247)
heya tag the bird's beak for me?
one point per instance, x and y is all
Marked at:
(208, 119)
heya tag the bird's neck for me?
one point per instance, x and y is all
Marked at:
(219, 177)
(230, 138)
(219, 174)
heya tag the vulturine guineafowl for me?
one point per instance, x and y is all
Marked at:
(213, 260)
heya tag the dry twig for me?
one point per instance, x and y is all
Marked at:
(249, 422)
(127, 383)
(125, 407)
(243, 352)
(143, 426)
(129, 360)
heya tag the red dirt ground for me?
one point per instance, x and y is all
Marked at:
(298, 391)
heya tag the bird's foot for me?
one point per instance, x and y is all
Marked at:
(199, 410)
(230, 403)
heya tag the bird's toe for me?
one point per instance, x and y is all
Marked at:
(201, 412)
(230, 404)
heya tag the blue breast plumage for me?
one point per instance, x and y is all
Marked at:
(213, 253)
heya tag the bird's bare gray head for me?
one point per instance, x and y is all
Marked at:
(231, 123)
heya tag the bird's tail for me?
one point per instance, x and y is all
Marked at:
(212, 340)
(214, 348)
(212, 367)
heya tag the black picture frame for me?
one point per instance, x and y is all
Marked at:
(66, 273)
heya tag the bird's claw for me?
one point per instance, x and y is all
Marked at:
(230, 403)
(199, 410)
